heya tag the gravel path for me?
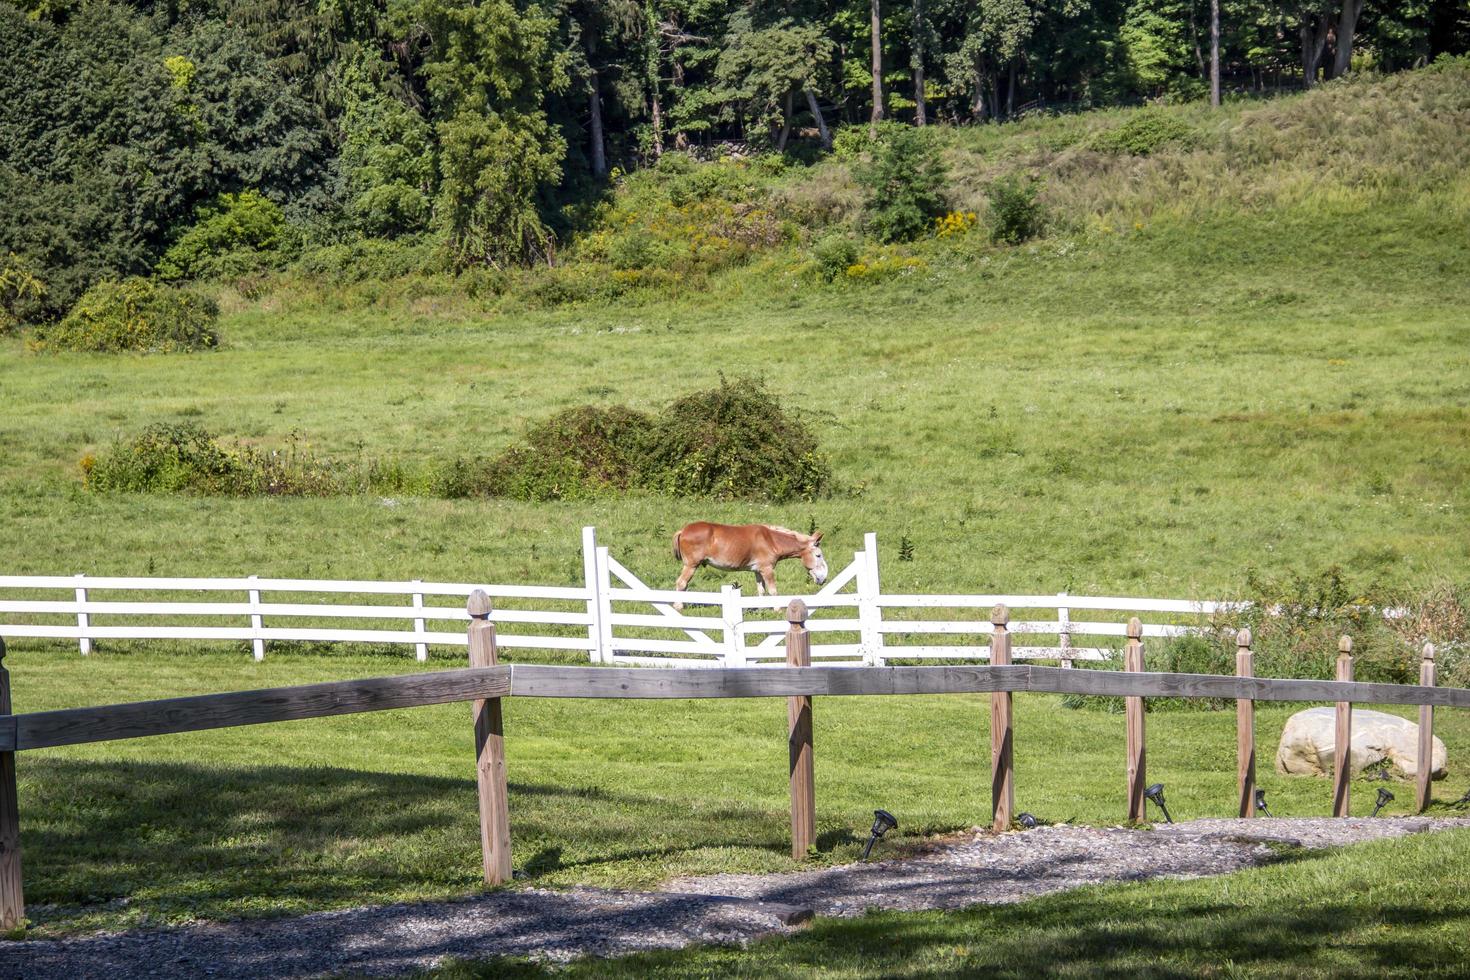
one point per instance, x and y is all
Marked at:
(966, 869)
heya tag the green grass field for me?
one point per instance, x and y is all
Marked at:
(1154, 407)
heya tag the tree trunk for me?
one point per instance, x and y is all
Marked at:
(1011, 92)
(1314, 42)
(1215, 53)
(811, 103)
(877, 32)
(1347, 26)
(785, 133)
(977, 104)
(1199, 56)
(599, 148)
(920, 114)
(655, 105)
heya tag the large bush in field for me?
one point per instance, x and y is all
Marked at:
(133, 315)
(735, 441)
(904, 184)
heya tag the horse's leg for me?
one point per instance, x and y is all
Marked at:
(768, 573)
(683, 583)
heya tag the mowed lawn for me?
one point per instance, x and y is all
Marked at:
(371, 808)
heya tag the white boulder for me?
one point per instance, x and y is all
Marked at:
(1309, 742)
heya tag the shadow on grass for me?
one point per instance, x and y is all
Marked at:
(122, 843)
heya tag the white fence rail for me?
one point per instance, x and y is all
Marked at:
(614, 617)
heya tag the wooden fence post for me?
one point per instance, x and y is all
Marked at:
(1425, 770)
(799, 728)
(1133, 713)
(1245, 729)
(1342, 773)
(489, 750)
(12, 900)
(1002, 772)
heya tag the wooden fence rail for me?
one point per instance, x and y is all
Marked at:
(486, 682)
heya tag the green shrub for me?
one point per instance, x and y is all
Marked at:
(371, 259)
(22, 292)
(581, 453)
(1016, 214)
(1209, 652)
(1297, 621)
(187, 458)
(852, 142)
(636, 248)
(165, 459)
(735, 441)
(1145, 133)
(834, 254)
(133, 315)
(236, 233)
(904, 186)
(732, 442)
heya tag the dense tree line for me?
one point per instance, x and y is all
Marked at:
(134, 131)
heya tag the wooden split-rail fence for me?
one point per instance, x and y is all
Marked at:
(485, 682)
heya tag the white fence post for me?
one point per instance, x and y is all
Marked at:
(257, 644)
(1064, 629)
(83, 620)
(421, 649)
(604, 607)
(869, 614)
(733, 616)
(594, 602)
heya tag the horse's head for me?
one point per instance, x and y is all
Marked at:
(811, 557)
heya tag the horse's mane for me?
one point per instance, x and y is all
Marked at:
(786, 530)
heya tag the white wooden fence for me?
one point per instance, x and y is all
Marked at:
(613, 617)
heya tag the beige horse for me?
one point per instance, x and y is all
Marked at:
(746, 548)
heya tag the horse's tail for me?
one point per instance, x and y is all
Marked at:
(678, 555)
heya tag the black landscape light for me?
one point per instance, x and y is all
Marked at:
(1026, 820)
(1261, 802)
(1156, 794)
(1384, 797)
(883, 822)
